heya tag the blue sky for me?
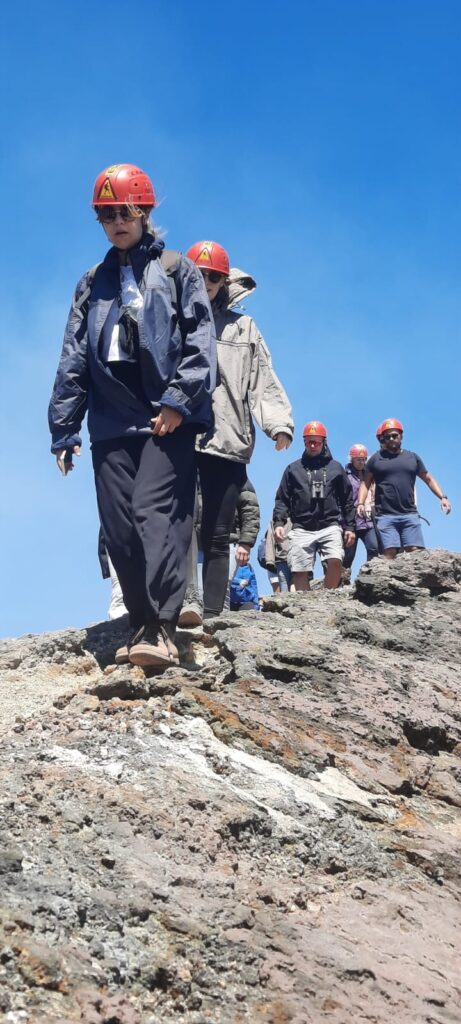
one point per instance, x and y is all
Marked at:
(320, 143)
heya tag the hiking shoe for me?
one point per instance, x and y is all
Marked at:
(191, 615)
(155, 647)
(192, 610)
(122, 654)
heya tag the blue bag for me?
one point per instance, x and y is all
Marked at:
(243, 588)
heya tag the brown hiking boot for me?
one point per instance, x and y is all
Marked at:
(122, 654)
(190, 616)
(155, 648)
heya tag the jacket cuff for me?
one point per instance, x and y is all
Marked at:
(282, 430)
(166, 399)
(66, 441)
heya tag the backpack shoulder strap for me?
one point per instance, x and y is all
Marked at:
(87, 292)
(170, 260)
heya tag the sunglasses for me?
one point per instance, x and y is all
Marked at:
(213, 275)
(395, 436)
(107, 214)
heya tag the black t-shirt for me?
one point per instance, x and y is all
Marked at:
(395, 477)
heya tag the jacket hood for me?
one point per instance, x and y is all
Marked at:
(148, 248)
(318, 460)
(240, 286)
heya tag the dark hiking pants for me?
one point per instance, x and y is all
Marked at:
(221, 482)
(145, 488)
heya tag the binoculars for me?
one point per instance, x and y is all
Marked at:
(318, 489)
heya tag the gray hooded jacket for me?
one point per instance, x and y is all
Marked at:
(247, 384)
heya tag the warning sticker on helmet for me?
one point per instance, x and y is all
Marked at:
(205, 253)
(106, 191)
(112, 169)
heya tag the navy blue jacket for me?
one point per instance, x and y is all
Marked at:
(177, 352)
(294, 496)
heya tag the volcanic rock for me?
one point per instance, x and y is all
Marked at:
(268, 833)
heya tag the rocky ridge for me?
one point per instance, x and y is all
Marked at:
(268, 834)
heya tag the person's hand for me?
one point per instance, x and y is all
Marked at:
(242, 554)
(445, 505)
(65, 465)
(361, 509)
(279, 533)
(349, 538)
(166, 422)
(282, 441)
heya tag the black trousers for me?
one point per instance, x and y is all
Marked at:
(221, 482)
(145, 488)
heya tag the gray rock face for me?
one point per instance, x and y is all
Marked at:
(267, 834)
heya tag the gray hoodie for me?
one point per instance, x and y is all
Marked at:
(247, 384)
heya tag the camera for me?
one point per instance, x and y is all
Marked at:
(128, 332)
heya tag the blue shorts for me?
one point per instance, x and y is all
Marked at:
(400, 531)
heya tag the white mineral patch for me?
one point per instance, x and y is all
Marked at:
(253, 779)
(332, 782)
(75, 759)
(196, 751)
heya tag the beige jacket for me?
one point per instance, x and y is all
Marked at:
(248, 387)
(277, 551)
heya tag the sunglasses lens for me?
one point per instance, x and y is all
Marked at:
(107, 214)
(212, 275)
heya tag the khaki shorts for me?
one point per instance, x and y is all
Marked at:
(306, 544)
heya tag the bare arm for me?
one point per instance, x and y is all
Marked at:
(436, 489)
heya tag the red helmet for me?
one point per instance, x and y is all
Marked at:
(123, 183)
(210, 256)
(388, 425)
(314, 429)
(358, 451)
